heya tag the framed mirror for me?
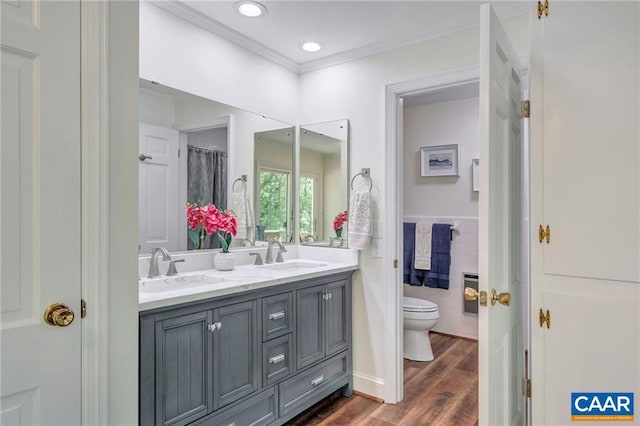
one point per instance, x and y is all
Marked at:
(192, 150)
(324, 181)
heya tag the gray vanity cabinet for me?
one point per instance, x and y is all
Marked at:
(183, 368)
(235, 352)
(256, 358)
(321, 322)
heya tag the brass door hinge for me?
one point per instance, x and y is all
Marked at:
(83, 308)
(545, 318)
(543, 8)
(526, 109)
(395, 263)
(527, 388)
(544, 234)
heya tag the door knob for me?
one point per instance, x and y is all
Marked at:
(473, 294)
(503, 298)
(143, 157)
(58, 315)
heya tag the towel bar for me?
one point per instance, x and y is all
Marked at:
(365, 174)
(242, 179)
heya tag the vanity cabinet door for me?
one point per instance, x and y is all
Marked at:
(236, 354)
(338, 317)
(183, 368)
(310, 325)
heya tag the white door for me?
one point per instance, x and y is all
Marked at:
(40, 212)
(500, 331)
(158, 189)
(585, 184)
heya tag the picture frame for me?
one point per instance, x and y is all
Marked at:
(440, 160)
(475, 171)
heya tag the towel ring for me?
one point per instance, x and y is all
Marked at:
(364, 176)
(242, 179)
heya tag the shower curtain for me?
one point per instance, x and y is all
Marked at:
(206, 183)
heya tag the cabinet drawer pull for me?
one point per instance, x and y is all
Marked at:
(276, 315)
(317, 381)
(276, 359)
(214, 327)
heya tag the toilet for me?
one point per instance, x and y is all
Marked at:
(419, 316)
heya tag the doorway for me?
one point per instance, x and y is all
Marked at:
(397, 95)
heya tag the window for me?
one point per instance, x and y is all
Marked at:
(274, 205)
(308, 217)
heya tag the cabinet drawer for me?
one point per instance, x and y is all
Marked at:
(277, 318)
(304, 386)
(277, 359)
(259, 410)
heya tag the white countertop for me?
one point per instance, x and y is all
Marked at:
(301, 262)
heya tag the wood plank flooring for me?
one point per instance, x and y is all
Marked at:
(442, 392)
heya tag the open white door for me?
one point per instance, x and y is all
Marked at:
(158, 189)
(40, 221)
(500, 332)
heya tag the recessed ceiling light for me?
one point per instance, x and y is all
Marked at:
(311, 46)
(249, 8)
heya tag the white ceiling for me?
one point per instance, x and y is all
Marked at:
(348, 29)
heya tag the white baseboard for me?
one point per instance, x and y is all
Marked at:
(456, 333)
(364, 383)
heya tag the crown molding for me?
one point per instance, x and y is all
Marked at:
(205, 22)
(375, 49)
(191, 15)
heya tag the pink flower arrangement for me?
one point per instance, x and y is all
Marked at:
(339, 220)
(206, 220)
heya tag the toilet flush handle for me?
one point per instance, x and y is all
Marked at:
(473, 294)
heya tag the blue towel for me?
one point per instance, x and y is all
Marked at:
(438, 276)
(410, 275)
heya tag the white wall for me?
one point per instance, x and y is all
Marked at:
(442, 123)
(181, 55)
(156, 108)
(214, 139)
(357, 90)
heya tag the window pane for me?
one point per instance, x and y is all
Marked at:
(274, 188)
(307, 219)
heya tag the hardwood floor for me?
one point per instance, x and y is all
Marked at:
(441, 392)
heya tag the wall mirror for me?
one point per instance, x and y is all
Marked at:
(193, 149)
(324, 181)
(274, 171)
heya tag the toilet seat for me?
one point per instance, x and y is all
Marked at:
(412, 304)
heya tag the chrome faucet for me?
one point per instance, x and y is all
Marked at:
(281, 249)
(269, 256)
(153, 263)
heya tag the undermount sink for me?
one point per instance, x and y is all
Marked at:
(161, 285)
(293, 265)
(241, 273)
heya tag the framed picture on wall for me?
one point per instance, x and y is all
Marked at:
(441, 160)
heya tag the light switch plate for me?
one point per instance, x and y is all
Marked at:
(376, 247)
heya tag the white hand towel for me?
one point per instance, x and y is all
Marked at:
(359, 235)
(422, 256)
(242, 209)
